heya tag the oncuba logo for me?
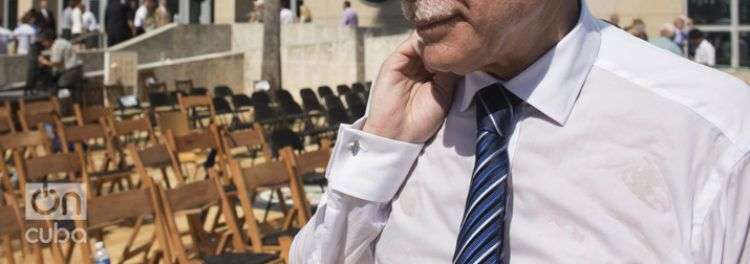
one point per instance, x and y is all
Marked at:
(55, 201)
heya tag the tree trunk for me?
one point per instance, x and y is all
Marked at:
(271, 67)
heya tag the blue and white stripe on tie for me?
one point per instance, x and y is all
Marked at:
(483, 226)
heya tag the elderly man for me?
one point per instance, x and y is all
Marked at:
(532, 132)
(664, 40)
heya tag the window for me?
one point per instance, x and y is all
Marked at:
(727, 27)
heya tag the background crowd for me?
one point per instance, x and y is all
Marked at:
(678, 37)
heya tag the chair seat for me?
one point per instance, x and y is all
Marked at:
(273, 237)
(113, 174)
(315, 178)
(242, 258)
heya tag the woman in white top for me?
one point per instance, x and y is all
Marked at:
(24, 34)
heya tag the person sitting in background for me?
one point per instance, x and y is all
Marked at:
(5, 37)
(163, 17)
(638, 29)
(286, 15)
(24, 34)
(664, 40)
(705, 53)
(349, 17)
(64, 62)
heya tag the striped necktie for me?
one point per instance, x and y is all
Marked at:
(483, 226)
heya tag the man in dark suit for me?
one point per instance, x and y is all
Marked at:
(116, 22)
(45, 18)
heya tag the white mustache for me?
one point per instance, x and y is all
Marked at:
(425, 10)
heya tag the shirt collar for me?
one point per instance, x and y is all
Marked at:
(552, 83)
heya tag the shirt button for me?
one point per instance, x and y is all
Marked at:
(354, 147)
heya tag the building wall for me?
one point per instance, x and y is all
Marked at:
(653, 13)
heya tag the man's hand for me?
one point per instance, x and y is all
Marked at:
(409, 102)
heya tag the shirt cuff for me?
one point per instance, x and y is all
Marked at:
(369, 167)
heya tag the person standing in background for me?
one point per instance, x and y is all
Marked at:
(139, 19)
(24, 34)
(76, 19)
(638, 29)
(90, 27)
(163, 17)
(44, 19)
(66, 20)
(286, 15)
(664, 40)
(5, 37)
(151, 20)
(349, 17)
(705, 53)
(680, 34)
(131, 13)
(116, 22)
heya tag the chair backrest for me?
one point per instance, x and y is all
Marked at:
(188, 104)
(183, 85)
(130, 127)
(157, 87)
(336, 112)
(83, 133)
(6, 118)
(284, 137)
(11, 221)
(261, 98)
(32, 113)
(174, 121)
(324, 91)
(91, 114)
(205, 139)
(312, 161)
(25, 140)
(221, 105)
(310, 101)
(342, 89)
(37, 169)
(240, 101)
(223, 91)
(199, 90)
(156, 157)
(189, 198)
(359, 87)
(264, 113)
(159, 99)
(139, 204)
(356, 106)
(248, 138)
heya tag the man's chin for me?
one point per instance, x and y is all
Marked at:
(442, 62)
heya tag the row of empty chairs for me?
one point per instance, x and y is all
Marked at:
(172, 170)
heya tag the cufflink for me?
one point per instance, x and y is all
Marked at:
(354, 147)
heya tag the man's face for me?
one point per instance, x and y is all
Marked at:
(43, 4)
(462, 36)
(679, 23)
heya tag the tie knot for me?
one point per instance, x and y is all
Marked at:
(496, 108)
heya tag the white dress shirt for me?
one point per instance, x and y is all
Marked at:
(76, 21)
(89, 21)
(624, 153)
(140, 16)
(705, 54)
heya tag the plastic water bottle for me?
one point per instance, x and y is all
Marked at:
(101, 256)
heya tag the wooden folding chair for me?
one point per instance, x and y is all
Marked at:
(12, 226)
(6, 119)
(198, 108)
(92, 114)
(109, 171)
(310, 166)
(208, 247)
(60, 167)
(27, 145)
(133, 205)
(174, 121)
(32, 113)
(157, 157)
(271, 176)
(134, 130)
(250, 141)
(195, 148)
